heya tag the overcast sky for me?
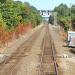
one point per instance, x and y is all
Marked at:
(47, 4)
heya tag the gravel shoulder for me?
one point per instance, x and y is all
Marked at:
(66, 65)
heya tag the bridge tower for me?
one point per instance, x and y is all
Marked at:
(55, 18)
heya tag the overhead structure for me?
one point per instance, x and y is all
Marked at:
(46, 14)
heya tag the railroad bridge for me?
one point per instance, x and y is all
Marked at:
(46, 13)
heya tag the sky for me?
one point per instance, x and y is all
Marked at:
(48, 4)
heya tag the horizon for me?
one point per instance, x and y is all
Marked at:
(48, 5)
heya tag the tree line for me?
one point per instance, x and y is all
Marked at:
(65, 16)
(15, 17)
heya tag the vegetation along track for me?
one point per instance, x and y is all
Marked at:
(9, 66)
(48, 64)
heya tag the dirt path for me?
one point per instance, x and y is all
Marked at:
(11, 65)
(48, 64)
(29, 65)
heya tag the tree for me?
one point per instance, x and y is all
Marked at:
(63, 16)
(73, 16)
(15, 16)
(4, 1)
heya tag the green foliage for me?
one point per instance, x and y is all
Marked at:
(14, 13)
(73, 12)
(64, 15)
(35, 16)
(2, 1)
(5, 1)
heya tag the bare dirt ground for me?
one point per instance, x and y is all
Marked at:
(48, 64)
(24, 55)
(66, 65)
(29, 65)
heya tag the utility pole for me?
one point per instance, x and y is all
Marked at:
(70, 18)
(55, 18)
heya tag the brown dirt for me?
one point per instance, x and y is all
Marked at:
(66, 65)
(14, 61)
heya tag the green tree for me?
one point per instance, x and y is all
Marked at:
(73, 16)
(63, 16)
(15, 13)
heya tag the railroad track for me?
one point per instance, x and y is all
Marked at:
(48, 65)
(11, 63)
